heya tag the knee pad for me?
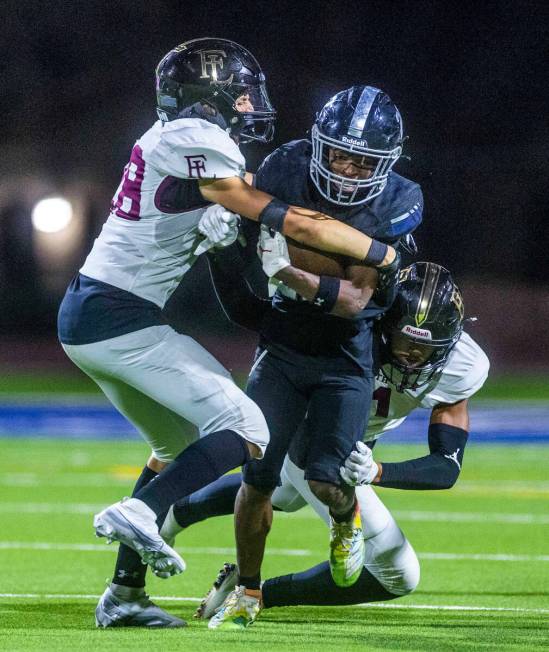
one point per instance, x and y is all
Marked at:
(252, 426)
(391, 559)
(287, 498)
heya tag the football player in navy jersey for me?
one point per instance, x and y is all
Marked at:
(315, 352)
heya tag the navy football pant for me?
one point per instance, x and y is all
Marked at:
(335, 399)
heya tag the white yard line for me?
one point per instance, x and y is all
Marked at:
(96, 547)
(472, 517)
(480, 556)
(283, 552)
(373, 605)
(402, 515)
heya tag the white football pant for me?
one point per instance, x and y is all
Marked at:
(161, 380)
(389, 556)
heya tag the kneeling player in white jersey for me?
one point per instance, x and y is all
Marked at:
(427, 361)
(211, 95)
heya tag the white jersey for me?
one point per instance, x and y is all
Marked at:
(147, 243)
(462, 376)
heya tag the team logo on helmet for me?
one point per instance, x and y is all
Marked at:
(214, 60)
(457, 300)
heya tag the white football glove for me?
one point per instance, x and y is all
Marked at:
(359, 467)
(220, 227)
(272, 251)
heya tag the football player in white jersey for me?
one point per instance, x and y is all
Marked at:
(426, 361)
(211, 95)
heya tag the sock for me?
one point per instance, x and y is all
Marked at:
(253, 582)
(216, 499)
(127, 593)
(130, 570)
(316, 587)
(346, 516)
(201, 463)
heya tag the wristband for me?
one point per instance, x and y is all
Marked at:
(376, 253)
(273, 214)
(327, 293)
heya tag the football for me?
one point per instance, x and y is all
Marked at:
(315, 261)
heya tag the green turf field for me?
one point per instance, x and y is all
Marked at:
(13, 382)
(483, 548)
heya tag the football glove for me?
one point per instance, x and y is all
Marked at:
(359, 467)
(272, 251)
(220, 227)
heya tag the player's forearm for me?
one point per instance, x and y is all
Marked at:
(308, 227)
(350, 301)
(327, 234)
(429, 472)
(439, 470)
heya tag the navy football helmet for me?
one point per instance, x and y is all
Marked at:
(205, 78)
(427, 312)
(360, 120)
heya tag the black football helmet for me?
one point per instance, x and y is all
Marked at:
(428, 310)
(215, 72)
(360, 120)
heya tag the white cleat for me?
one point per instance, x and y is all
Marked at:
(238, 611)
(114, 611)
(223, 585)
(133, 523)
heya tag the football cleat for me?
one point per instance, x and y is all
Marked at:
(347, 550)
(238, 611)
(133, 523)
(223, 585)
(114, 611)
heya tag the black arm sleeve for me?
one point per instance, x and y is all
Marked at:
(439, 470)
(239, 303)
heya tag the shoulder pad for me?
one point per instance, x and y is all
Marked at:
(284, 164)
(463, 375)
(399, 208)
(191, 148)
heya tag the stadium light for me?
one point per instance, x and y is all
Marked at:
(52, 215)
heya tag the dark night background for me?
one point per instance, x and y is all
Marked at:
(470, 81)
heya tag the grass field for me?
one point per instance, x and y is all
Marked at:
(483, 548)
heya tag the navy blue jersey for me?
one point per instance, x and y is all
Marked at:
(299, 325)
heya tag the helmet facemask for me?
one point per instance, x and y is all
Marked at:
(412, 376)
(343, 190)
(248, 125)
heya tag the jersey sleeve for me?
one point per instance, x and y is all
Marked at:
(196, 150)
(404, 211)
(463, 375)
